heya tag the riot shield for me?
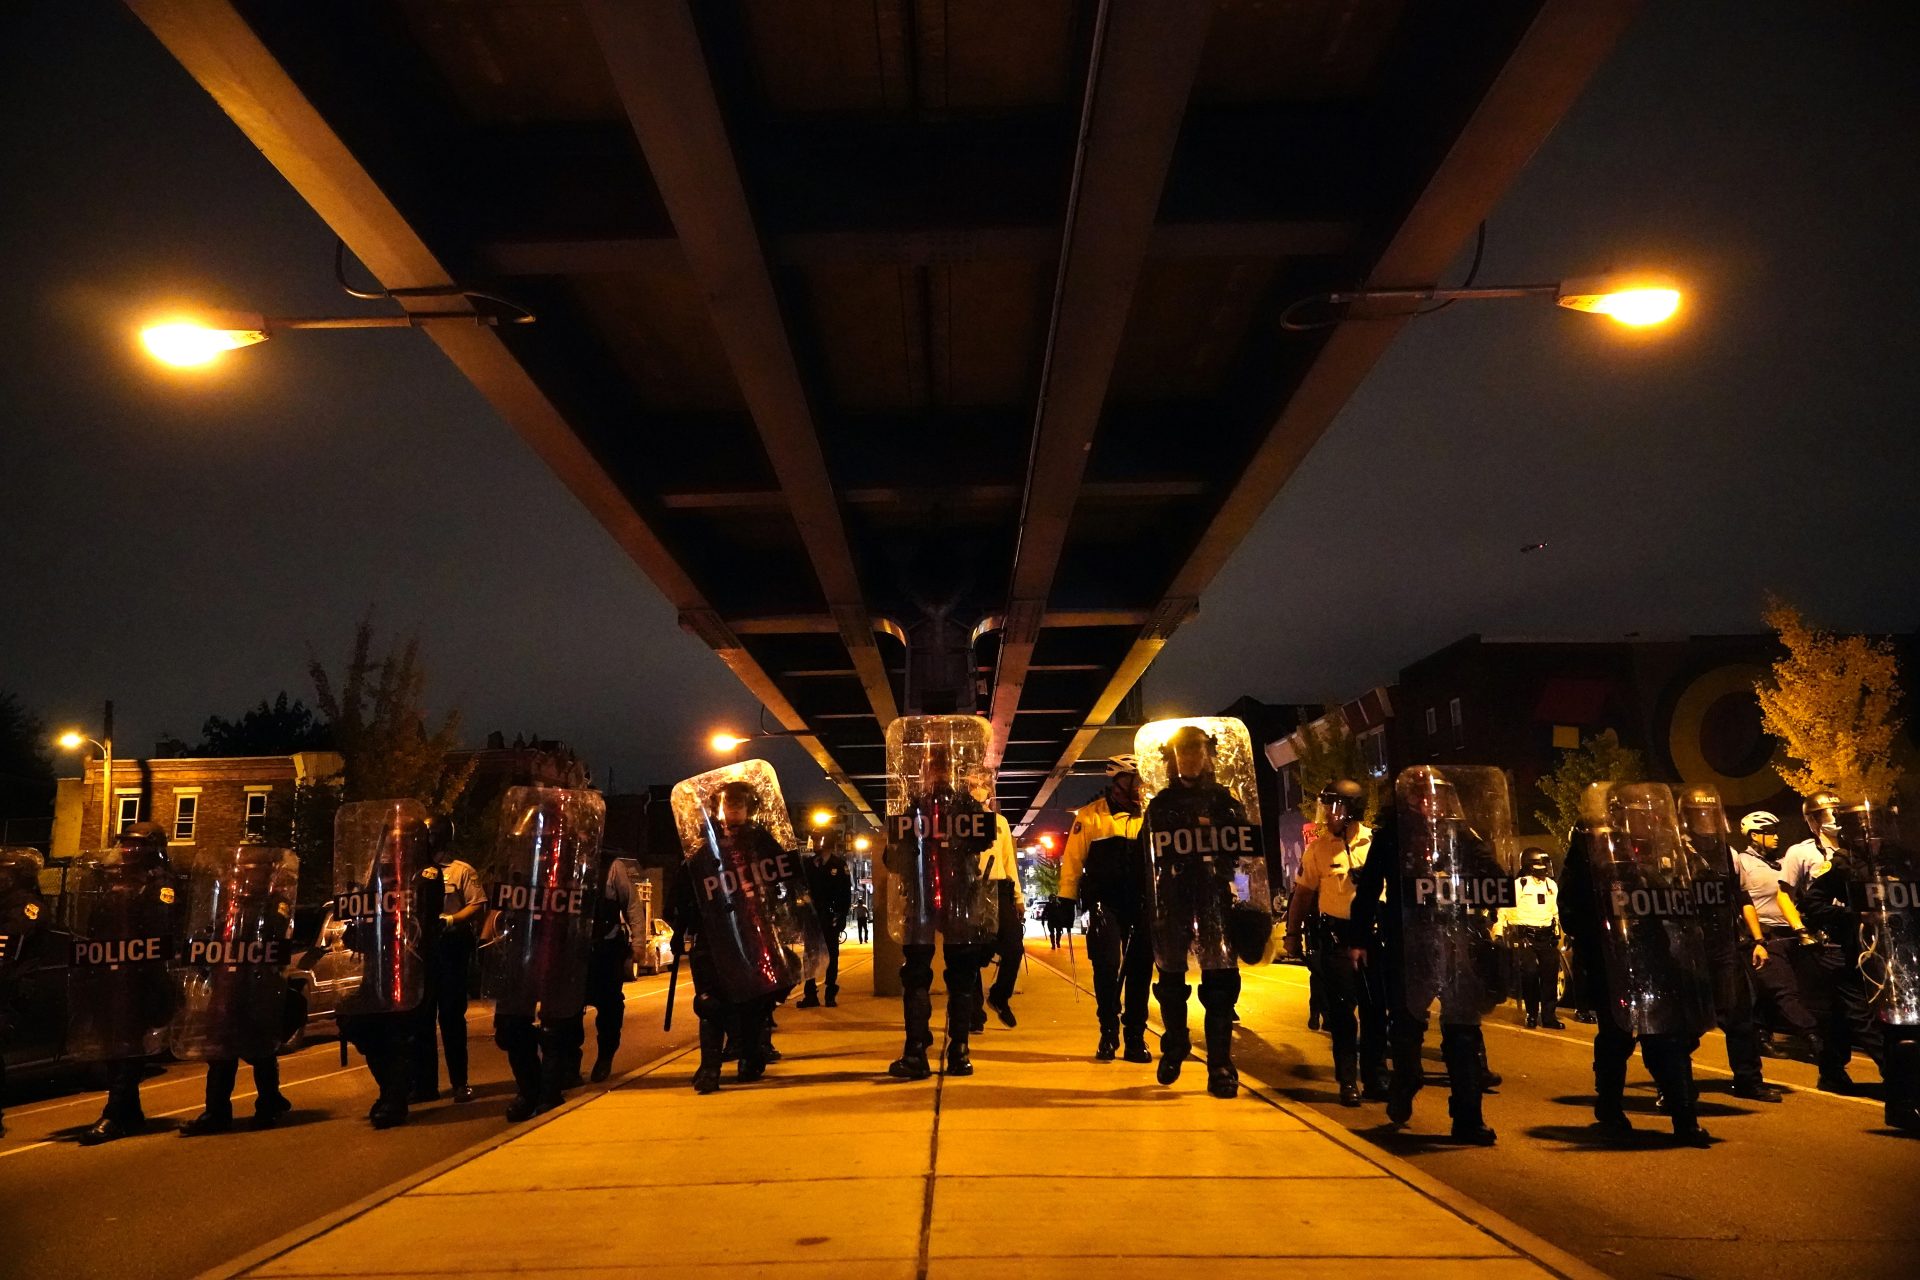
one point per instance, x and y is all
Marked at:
(548, 855)
(379, 849)
(1716, 877)
(939, 829)
(1456, 843)
(757, 921)
(1658, 978)
(129, 911)
(1886, 880)
(232, 972)
(1207, 870)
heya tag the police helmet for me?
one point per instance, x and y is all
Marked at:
(1759, 822)
(1538, 862)
(1119, 765)
(1344, 798)
(738, 789)
(1822, 811)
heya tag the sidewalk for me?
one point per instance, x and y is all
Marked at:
(1041, 1162)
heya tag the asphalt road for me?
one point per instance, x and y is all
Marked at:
(1816, 1185)
(157, 1206)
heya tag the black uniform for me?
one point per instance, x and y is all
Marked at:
(934, 854)
(832, 890)
(22, 921)
(1192, 916)
(444, 1011)
(1668, 1055)
(386, 1039)
(609, 964)
(1378, 923)
(737, 981)
(1716, 887)
(1827, 904)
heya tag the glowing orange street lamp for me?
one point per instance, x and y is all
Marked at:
(861, 844)
(724, 742)
(1636, 301)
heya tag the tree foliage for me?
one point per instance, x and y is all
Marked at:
(1046, 874)
(1834, 704)
(279, 729)
(1328, 752)
(378, 717)
(26, 766)
(1600, 758)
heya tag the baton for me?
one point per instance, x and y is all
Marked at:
(1072, 965)
(673, 981)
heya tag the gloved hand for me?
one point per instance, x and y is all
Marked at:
(1811, 938)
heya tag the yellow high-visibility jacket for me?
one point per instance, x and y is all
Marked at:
(1090, 823)
(1002, 863)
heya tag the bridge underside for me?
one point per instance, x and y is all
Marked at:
(908, 318)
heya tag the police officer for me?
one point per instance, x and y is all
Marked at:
(1429, 953)
(831, 888)
(1716, 888)
(463, 908)
(1103, 868)
(1533, 925)
(1778, 935)
(934, 851)
(388, 892)
(1819, 875)
(1187, 828)
(1647, 968)
(23, 914)
(1324, 889)
(1887, 871)
(863, 918)
(727, 910)
(619, 924)
(123, 1007)
(234, 1007)
(1001, 866)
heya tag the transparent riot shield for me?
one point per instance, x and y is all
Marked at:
(231, 973)
(1716, 877)
(22, 912)
(379, 850)
(1456, 845)
(1207, 869)
(129, 911)
(1658, 975)
(1886, 876)
(548, 855)
(939, 829)
(757, 922)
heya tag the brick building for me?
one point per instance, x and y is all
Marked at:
(204, 803)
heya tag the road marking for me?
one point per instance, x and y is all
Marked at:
(157, 1084)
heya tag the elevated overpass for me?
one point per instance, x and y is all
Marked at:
(925, 353)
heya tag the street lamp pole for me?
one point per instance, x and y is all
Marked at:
(73, 740)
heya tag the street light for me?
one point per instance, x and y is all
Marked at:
(724, 742)
(74, 740)
(861, 844)
(192, 341)
(1638, 302)
(822, 817)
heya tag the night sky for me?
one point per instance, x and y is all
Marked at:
(182, 543)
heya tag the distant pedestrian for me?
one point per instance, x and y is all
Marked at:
(831, 889)
(445, 1008)
(863, 919)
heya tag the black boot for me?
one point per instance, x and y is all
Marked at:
(810, 998)
(916, 1004)
(706, 1077)
(964, 1017)
(1136, 1050)
(833, 997)
(751, 1033)
(1175, 1043)
(1223, 1081)
(1463, 1050)
(1109, 1042)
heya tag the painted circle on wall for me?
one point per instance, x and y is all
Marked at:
(1715, 735)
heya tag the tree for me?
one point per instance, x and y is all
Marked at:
(277, 730)
(1328, 752)
(26, 766)
(1834, 704)
(378, 719)
(1600, 758)
(1046, 874)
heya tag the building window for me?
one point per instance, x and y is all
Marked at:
(184, 808)
(1566, 737)
(1433, 722)
(126, 813)
(1373, 748)
(256, 817)
(1459, 724)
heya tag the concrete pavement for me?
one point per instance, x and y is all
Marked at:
(1038, 1163)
